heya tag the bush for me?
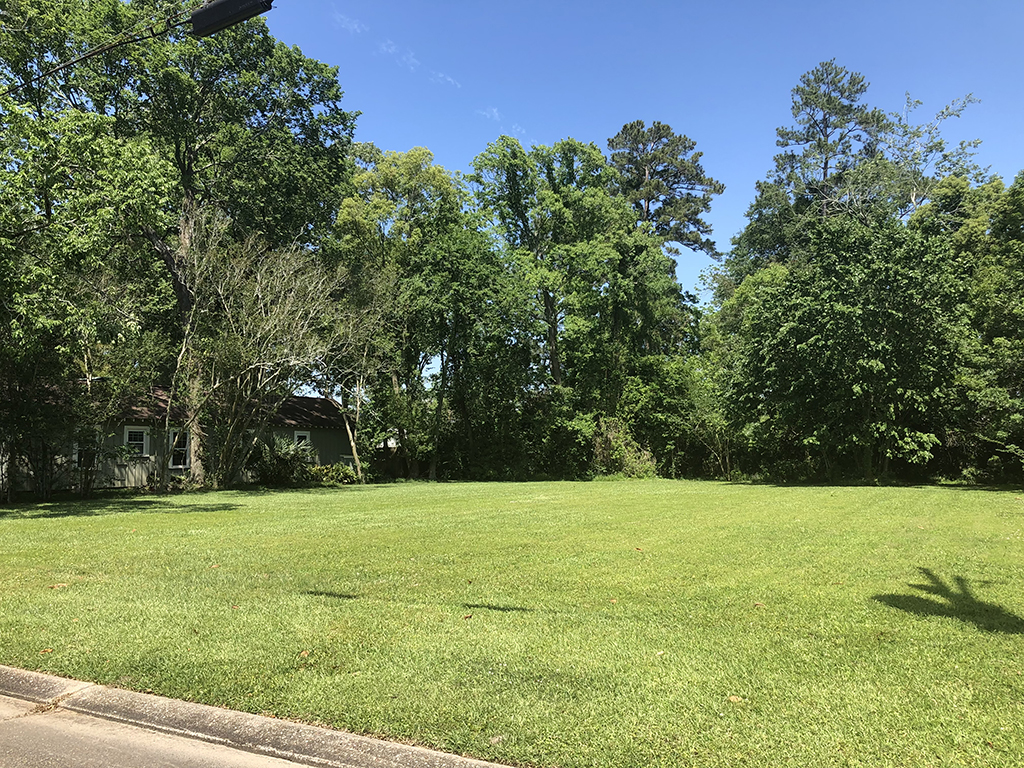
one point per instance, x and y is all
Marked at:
(333, 474)
(616, 452)
(281, 462)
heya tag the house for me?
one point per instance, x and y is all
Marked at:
(145, 446)
(319, 421)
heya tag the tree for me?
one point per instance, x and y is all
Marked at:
(844, 159)
(848, 359)
(661, 176)
(75, 296)
(263, 326)
(598, 273)
(237, 123)
(981, 226)
(544, 204)
(834, 133)
(605, 293)
(419, 263)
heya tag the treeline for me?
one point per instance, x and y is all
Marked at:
(196, 214)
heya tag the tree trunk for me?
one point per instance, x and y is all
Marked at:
(355, 451)
(869, 461)
(445, 360)
(196, 436)
(351, 436)
(185, 303)
(551, 320)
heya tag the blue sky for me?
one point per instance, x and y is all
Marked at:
(453, 76)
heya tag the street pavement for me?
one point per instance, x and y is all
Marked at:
(53, 722)
(61, 739)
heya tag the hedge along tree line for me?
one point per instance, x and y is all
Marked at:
(162, 206)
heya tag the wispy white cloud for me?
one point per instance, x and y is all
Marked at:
(441, 77)
(354, 26)
(490, 114)
(518, 130)
(406, 59)
(409, 59)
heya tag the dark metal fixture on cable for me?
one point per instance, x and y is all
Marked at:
(220, 14)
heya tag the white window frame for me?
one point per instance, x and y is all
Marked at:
(172, 438)
(145, 441)
(302, 433)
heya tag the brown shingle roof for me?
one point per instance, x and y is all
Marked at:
(295, 412)
(153, 407)
(310, 412)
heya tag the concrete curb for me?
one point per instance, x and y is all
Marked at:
(305, 744)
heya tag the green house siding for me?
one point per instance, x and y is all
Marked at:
(330, 445)
(137, 452)
(137, 471)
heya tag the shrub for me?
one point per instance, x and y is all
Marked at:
(616, 452)
(333, 474)
(281, 462)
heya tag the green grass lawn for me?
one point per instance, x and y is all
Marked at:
(553, 624)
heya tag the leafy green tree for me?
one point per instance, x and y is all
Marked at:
(75, 297)
(677, 408)
(418, 260)
(545, 204)
(404, 204)
(251, 126)
(482, 364)
(982, 227)
(602, 284)
(236, 122)
(847, 359)
(605, 294)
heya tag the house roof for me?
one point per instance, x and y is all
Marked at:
(295, 412)
(153, 407)
(310, 412)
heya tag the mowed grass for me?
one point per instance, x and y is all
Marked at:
(553, 624)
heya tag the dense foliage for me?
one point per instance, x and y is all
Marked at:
(195, 214)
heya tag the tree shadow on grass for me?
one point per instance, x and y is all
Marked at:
(989, 487)
(112, 506)
(889, 483)
(960, 604)
(469, 606)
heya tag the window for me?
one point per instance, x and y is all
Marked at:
(178, 447)
(87, 449)
(137, 439)
(85, 457)
(301, 437)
